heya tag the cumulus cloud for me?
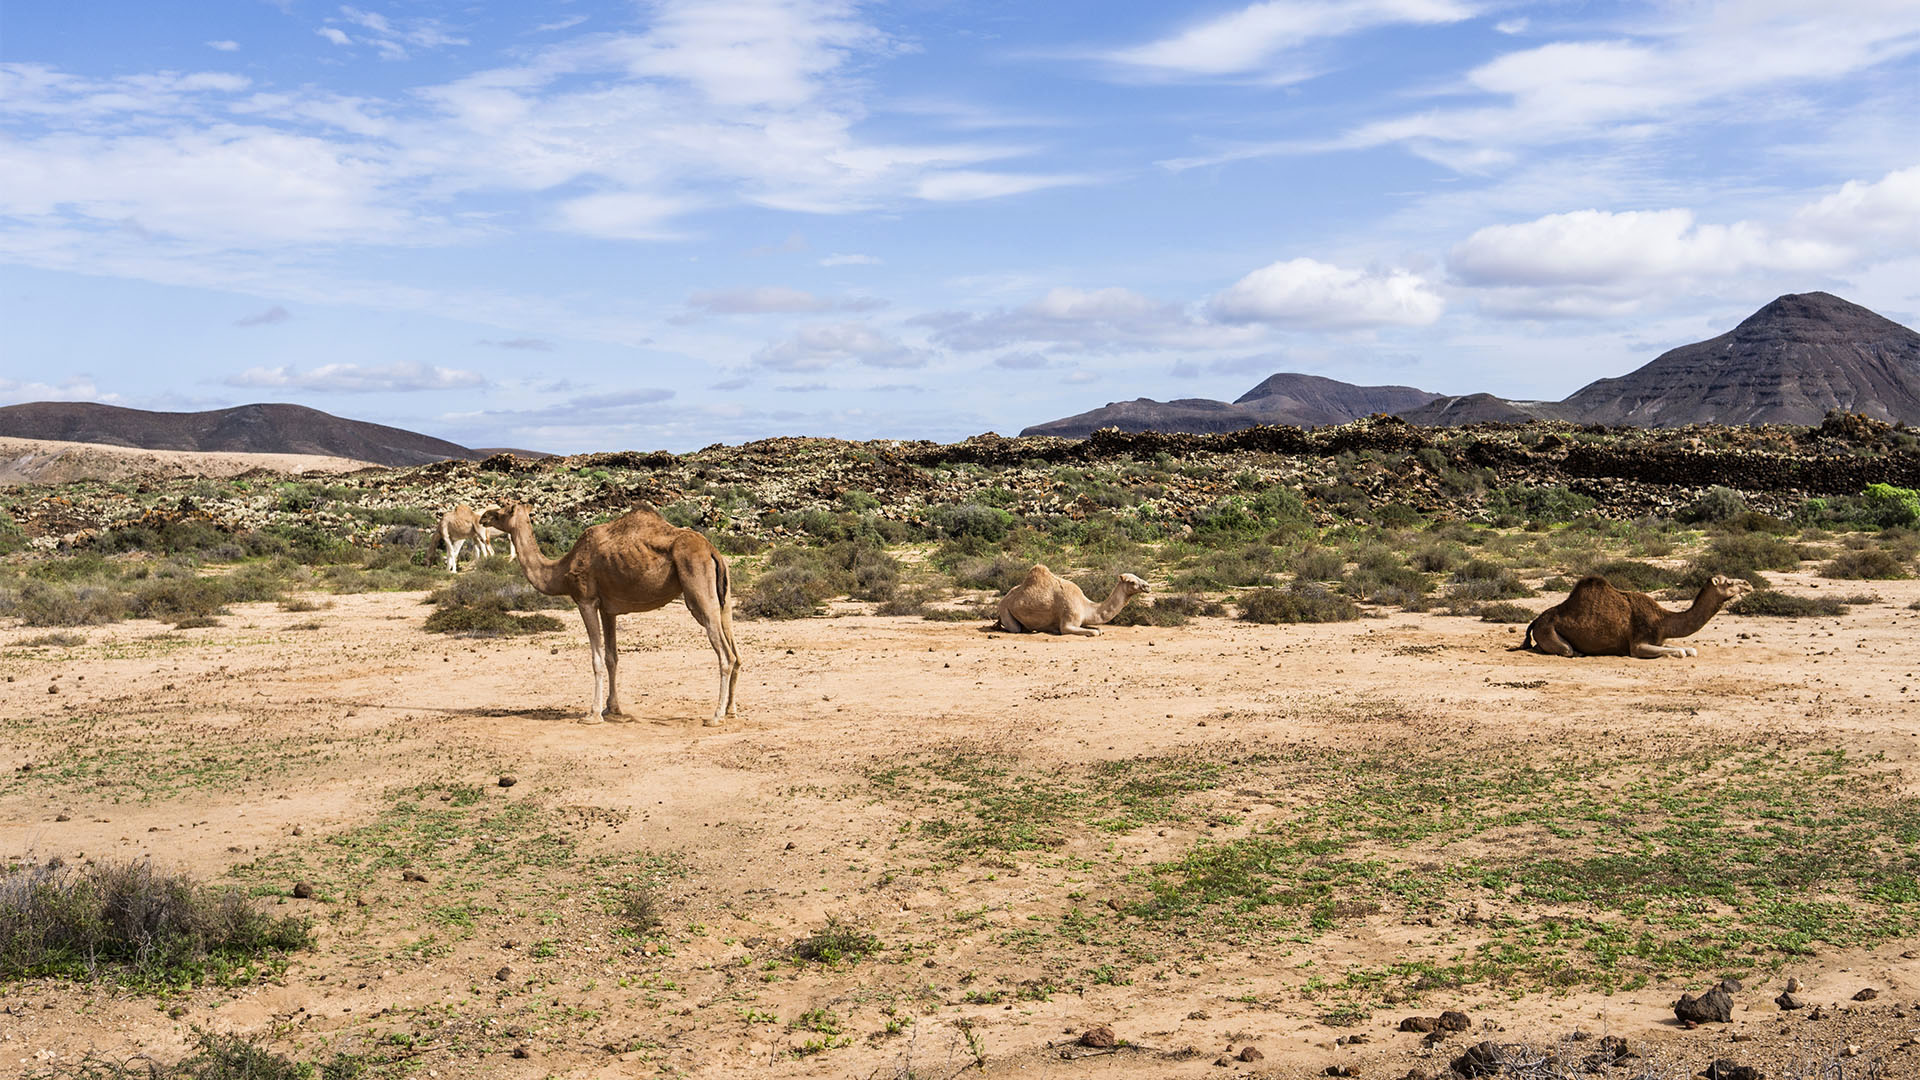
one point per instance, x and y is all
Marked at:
(358, 378)
(1309, 293)
(73, 388)
(815, 348)
(1083, 318)
(1598, 247)
(274, 314)
(335, 35)
(1257, 37)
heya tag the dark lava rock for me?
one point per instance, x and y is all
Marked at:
(303, 890)
(412, 875)
(1454, 1020)
(1714, 1006)
(1420, 1023)
(1339, 1070)
(1101, 1037)
(1250, 1053)
(1723, 1069)
(504, 973)
(523, 1051)
(1732, 985)
(508, 781)
(1867, 994)
(1492, 1059)
(1789, 1002)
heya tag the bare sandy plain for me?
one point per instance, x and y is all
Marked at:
(50, 461)
(993, 813)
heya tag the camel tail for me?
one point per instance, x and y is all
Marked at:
(720, 578)
(1526, 641)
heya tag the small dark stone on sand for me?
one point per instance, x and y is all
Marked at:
(1101, 1037)
(303, 890)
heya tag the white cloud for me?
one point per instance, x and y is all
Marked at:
(1082, 318)
(1598, 247)
(815, 348)
(567, 23)
(224, 46)
(74, 388)
(335, 35)
(1512, 26)
(1885, 212)
(770, 299)
(393, 38)
(1309, 293)
(358, 378)
(850, 260)
(1255, 36)
(966, 185)
(526, 344)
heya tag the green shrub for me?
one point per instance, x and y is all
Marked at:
(1251, 564)
(1634, 576)
(495, 589)
(12, 537)
(1867, 564)
(1715, 505)
(997, 573)
(488, 622)
(1786, 605)
(1300, 602)
(63, 603)
(1319, 564)
(1505, 611)
(1891, 506)
(1539, 505)
(1437, 558)
(131, 920)
(971, 519)
(1167, 611)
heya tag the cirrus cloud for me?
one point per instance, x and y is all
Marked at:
(358, 378)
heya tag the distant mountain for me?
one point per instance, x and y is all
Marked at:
(251, 429)
(1301, 400)
(1788, 363)
(1311, 401)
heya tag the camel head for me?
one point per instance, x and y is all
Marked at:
(502, 517)
(1731, 588)
(1134, 585)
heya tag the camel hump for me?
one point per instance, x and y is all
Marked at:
(1039, 575)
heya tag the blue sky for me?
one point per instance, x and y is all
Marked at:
(600, 225)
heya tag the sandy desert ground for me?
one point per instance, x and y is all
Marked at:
(993, 812)
(50, 461)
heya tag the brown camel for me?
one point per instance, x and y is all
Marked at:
(461, 524)
(1597, 619)
(1047, 602)
(636, 563)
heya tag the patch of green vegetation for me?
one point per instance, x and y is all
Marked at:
(1700, 862)
(838, 940)
(488, 622)
(133, 924)
(1865, 564)
(1505, 611)
(1300, 602)
(1167, 611)
(1787, 605)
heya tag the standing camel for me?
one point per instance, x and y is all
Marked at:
(461, 524)
(1597, 619)
(636, 563)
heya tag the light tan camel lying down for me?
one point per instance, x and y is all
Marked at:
(1597, 619)
(1049, 603)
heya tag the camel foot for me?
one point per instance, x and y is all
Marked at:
(621, 718)
(710, 722)
(592, 719)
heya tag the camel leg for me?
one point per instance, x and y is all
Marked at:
(453, 555)
(704, 604)
(1082, 631)
(590, 614)
(1549, 642)
(612, 652)
(1646, 650)
(1010, 624)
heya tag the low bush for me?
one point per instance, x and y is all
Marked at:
(1250, 564)
(488, 622)
(1319, 564)
(1635, 576)
(835, 942)
(1300, 602)
(63, 603)
(1505, 612)
(132, 921)
(1787, 605)
(996, 573)
(1866, 564)
(1167, 611)
(1715, 505)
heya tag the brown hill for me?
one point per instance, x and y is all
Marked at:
(1480, 409)
(1313, 401)
(1286, 398)
(1788, 363)
(250, 429)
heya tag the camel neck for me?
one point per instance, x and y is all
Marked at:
(542, 572)
(1111, 606)
(1683, 623)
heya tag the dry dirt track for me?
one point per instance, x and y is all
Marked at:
(207, 749)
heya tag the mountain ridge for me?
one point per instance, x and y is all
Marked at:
(261, 428)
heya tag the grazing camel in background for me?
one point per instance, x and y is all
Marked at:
(461, 524)
(1597, 619)
(1047, 602)
(637, 563)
